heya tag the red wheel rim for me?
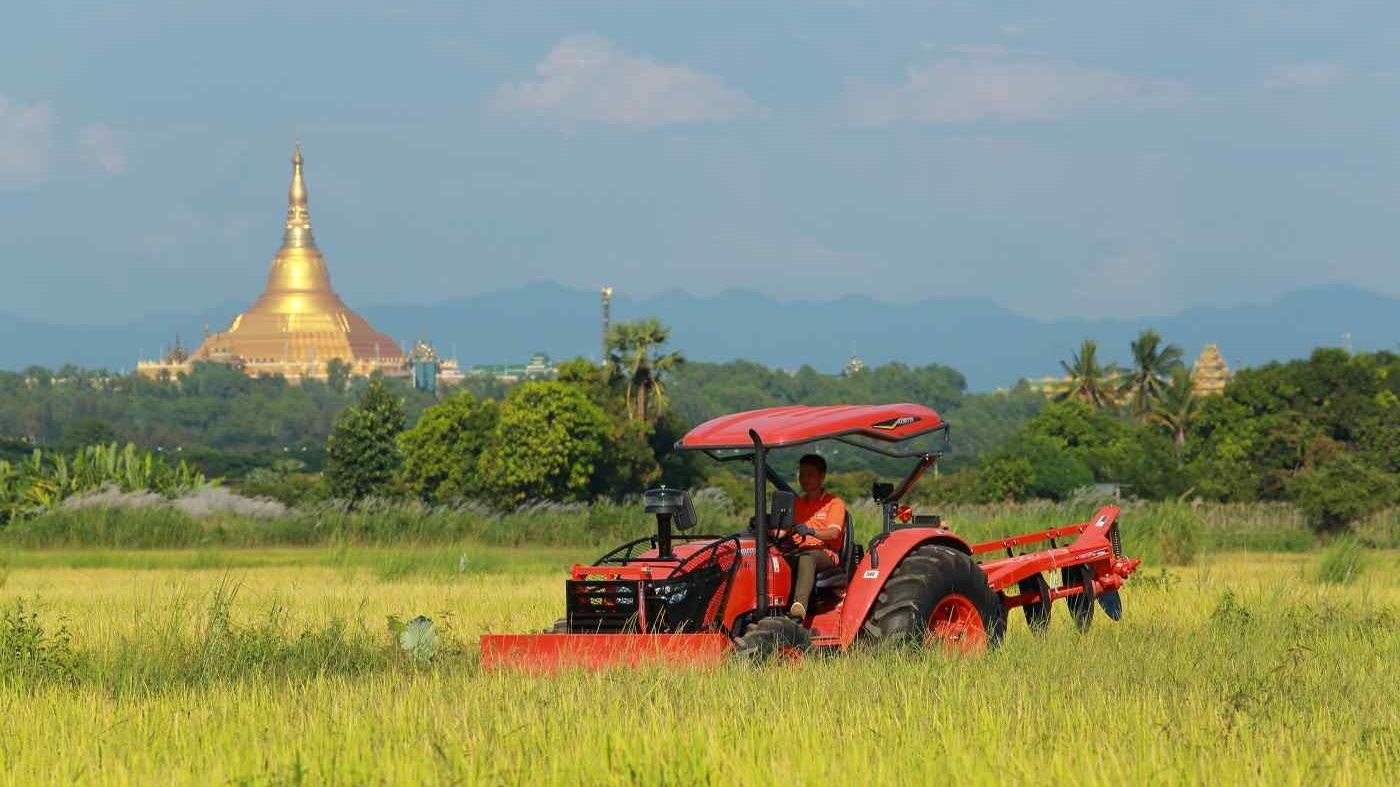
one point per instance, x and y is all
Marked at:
(787, 655)
(955, 625)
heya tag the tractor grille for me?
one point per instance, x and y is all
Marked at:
(604, 606)
(692, 600)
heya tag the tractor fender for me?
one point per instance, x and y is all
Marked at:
(876, 567)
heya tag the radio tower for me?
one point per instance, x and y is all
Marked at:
(607, 320)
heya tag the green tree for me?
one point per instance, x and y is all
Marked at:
(1090, 381)
(86, 432)
(1145, 382)
(337, 376)
(1004, 478)
(547, 445)
(634, 448)
(1339, 489)
(1116, 450)
(1177, 407)
(440, 452)
(362, 452)
(635, 354)
(1250, 443)
(682, 469)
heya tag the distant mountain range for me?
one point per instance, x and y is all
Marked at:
(992, 346)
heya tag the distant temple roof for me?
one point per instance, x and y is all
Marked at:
(1210, 373)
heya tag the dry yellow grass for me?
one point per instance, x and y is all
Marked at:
(1241, 670)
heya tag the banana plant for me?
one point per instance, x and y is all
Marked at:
(41, 482)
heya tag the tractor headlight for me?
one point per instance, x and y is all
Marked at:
(672, 594)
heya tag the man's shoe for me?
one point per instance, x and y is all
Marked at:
(797, 610)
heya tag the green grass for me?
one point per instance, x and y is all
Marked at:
(1158, 531)
(1343, 561)
(438, 562)
(276, 667)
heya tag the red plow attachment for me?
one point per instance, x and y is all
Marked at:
(550, 652)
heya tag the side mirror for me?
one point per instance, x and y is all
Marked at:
(780, 518)
(881, 491)
(674, 503)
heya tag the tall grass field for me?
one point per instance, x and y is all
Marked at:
(276, 666)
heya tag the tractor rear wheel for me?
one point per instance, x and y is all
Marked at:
(770, 637)
(1037, 612)
(1081, 605)
(938, 596)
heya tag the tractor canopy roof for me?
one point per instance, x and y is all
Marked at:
(779, 427)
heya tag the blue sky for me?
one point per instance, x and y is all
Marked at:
(1115, 158)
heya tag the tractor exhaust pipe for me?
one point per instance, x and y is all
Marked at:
(760, 504)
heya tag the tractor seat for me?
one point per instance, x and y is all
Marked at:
(839, 576)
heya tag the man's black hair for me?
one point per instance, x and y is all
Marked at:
(815, 460)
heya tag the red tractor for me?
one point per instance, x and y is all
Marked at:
(695, 598)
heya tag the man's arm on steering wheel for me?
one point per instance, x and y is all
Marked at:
(828, 533)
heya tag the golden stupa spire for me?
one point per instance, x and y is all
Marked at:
(298, 228)
(298, 323)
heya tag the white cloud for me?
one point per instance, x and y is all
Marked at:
(588, 79)
(964, 90)
(25, 135)
(100, 148)
(1309, 76)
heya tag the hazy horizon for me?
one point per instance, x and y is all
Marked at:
(1103, 160)
(233, 304)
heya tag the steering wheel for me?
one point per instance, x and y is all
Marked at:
(787, 542)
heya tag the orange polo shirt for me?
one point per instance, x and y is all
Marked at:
(826, 511)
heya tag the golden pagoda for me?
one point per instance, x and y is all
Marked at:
(1210, 372)
(298, 324)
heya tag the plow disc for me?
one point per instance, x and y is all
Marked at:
(1111, 603)
(550, 652)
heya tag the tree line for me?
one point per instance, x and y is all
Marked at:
(1321, 432)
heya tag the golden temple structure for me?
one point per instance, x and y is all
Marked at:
(1210, 372)
(298, 324)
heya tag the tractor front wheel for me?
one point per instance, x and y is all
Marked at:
(767, 638)
(938, 597)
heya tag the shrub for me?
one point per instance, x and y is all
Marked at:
(1342, 563)
(30, 653)
(126, 527)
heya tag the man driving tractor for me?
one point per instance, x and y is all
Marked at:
(820, 518)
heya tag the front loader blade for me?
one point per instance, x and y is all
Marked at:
(550, 652)
(1111, 603)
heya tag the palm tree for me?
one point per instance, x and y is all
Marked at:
(1177, 407)
(1151, 370)
(634, 353)
(1089, 381)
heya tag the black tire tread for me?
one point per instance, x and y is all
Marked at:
(763, 639)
